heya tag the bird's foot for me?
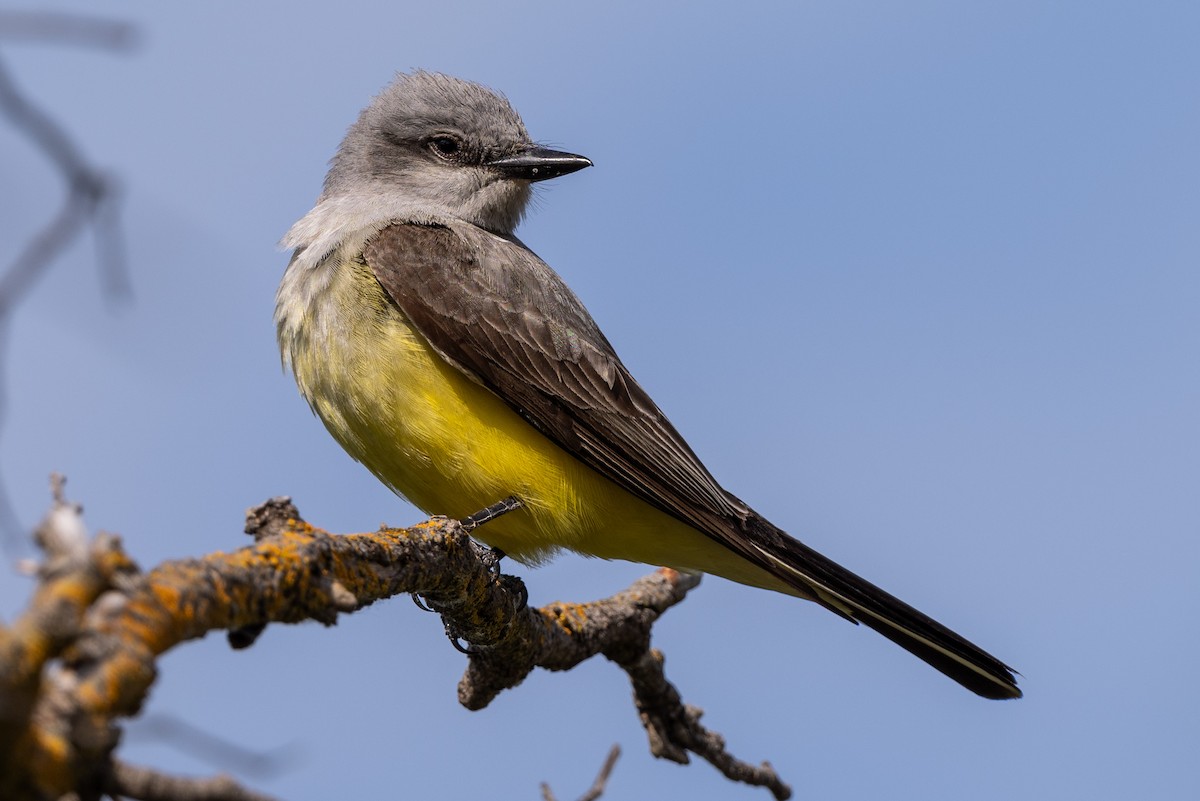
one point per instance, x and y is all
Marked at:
(491, 558)
(518, 586)
(456, 639)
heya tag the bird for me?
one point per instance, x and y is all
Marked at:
(462, 371)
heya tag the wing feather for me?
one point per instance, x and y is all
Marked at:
(499, 314)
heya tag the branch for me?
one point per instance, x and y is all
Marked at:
(597, 788)
(294, 572)
(72, 578)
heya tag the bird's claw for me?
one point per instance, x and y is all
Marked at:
(516, 585)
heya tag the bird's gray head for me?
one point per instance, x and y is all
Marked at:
(447, 145)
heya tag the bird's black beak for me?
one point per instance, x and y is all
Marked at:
(539, 164)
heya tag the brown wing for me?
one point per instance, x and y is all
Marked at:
(497, 312)
(502, 316)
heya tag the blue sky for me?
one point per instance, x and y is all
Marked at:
(919, 281)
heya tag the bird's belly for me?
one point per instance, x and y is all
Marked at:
(452, 447)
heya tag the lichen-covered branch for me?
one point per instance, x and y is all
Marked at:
(85, 657)
(70, 580)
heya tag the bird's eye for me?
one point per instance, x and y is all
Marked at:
(444, 146)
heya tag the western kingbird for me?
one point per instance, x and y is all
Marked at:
(461, 370)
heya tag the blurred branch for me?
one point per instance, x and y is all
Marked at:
(216, 751)
(75, 30)
(118, 622)
(597, 788)
(91, 196)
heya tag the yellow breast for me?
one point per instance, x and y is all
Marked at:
(452, 447)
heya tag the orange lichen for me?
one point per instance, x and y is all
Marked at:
(293, 572)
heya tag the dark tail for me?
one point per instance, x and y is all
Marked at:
(843, 592)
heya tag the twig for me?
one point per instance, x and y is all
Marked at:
(674, 727)
(597, 788)
(601, 781)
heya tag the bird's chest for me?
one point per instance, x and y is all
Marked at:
(426, 430)
(434, 436)
(372, 379)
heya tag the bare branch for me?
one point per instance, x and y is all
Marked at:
(597, 788)
(560, 635)
(674, 727)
